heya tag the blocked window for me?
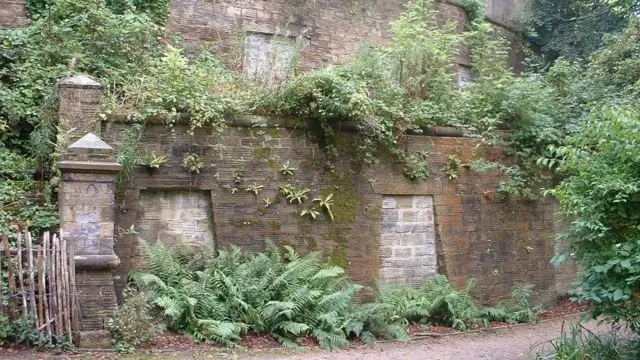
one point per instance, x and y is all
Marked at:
(465, 76)
(407, 240)
(175, 217)
(268, 58)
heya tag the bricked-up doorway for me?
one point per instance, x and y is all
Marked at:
(407, 239)
(174, 217)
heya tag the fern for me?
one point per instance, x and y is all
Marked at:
(216, 299)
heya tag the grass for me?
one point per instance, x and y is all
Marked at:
(579, 343)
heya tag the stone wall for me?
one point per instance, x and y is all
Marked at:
(502, 243)
(327, 32)
(331, 31)
(12, 13)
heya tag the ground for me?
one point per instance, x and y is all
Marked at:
(516, 342)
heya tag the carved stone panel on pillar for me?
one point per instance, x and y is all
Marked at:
(87, 208)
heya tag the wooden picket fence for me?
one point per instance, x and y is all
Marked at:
(41, 283)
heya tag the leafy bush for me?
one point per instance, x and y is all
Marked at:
(217, 299)
(602, 159)
(20, 331)
(133, 325)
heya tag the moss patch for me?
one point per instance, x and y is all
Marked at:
(338, 256)
(274, 132)
(262, 153)
(346, 203)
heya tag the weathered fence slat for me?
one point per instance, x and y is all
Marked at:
(45, 271)
(21, 276)
(32, 287)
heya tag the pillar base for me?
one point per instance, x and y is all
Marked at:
(94, 339)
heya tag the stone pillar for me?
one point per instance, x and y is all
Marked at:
(87, 211)
(79, 103)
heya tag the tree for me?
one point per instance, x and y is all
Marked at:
(573, 29)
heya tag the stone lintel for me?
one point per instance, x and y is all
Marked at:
(96, 262)
(79, 82)
(89, 166)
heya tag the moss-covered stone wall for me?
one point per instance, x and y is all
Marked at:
(501, 243)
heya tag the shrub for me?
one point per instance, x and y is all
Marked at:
(133, 325)
(602, 194)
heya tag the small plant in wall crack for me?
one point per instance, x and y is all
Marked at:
(292, 193)
(312, 213)
(287, 169)
(267, 202)
(298, 195)
(326, 204)
(238, 175)
(255, 188)
(416, 166)
(152, 161)
(452, 167)
(192, 163)
(286, 190)
(232, 189)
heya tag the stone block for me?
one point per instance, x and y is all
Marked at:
(389, 203)
(95, 339)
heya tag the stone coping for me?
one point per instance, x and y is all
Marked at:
(96, 262)
(273, 121)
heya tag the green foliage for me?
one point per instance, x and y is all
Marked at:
(267, 202)
(173, 84)
(63, 40)
(293, 193)
(520, 311)
(152, 161)
(451, 167)
(417, 166)
(17, 207)
(133, 324)
(573, 29)
(20, 331)
(579, 343)
(602, 157)
(449, 306)
(157, 10)
(312, 213)
(437, 302)
(219, 298)
(287, 169)
(5, 330)
(192, 163)
(326, 204)
(254, 189)
(475, 12)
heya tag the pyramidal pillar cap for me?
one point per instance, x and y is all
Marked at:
(89, 153)
(79, 82)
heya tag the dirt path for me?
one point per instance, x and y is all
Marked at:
(521, 342)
